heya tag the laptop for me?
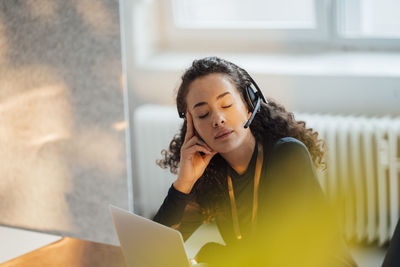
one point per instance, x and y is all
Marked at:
(145, 243)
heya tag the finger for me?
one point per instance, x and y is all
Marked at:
(198, 148)
(204, 144)
(192, 141)
(189, 127)
(196, 140)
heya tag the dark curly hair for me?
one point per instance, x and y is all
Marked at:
(272, 122)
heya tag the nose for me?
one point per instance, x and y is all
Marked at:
(218, 119)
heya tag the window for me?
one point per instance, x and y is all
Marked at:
(369, 19)
(267, 14)
(264, 24)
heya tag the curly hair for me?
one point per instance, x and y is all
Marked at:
(272, 122)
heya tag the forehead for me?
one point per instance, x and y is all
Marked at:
(208, 87)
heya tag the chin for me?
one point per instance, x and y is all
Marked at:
(226, 147)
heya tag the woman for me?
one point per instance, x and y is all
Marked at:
(257, 183)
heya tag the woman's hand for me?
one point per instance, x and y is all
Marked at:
(192, 163)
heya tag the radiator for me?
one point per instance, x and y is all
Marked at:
(363, 171)
(154, 127)
(363, 167)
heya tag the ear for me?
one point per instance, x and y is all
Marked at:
(249, 113)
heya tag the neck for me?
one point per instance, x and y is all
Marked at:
(240, 157)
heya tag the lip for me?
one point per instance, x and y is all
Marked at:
(223, 133)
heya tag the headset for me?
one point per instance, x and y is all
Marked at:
(253, 98)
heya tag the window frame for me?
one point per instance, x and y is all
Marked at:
(326, 35)
(149, 23)
(357, 42)
(175, 38)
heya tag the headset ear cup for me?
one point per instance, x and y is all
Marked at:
(251, 98)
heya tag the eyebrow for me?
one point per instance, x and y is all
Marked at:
(203, 103)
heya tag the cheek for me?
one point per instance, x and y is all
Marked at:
(240, 114)
(204, 131)
(199, 126)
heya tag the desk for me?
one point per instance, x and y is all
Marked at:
(71, 252)
(48, 250)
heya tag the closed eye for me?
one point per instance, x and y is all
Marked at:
(203, 116)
